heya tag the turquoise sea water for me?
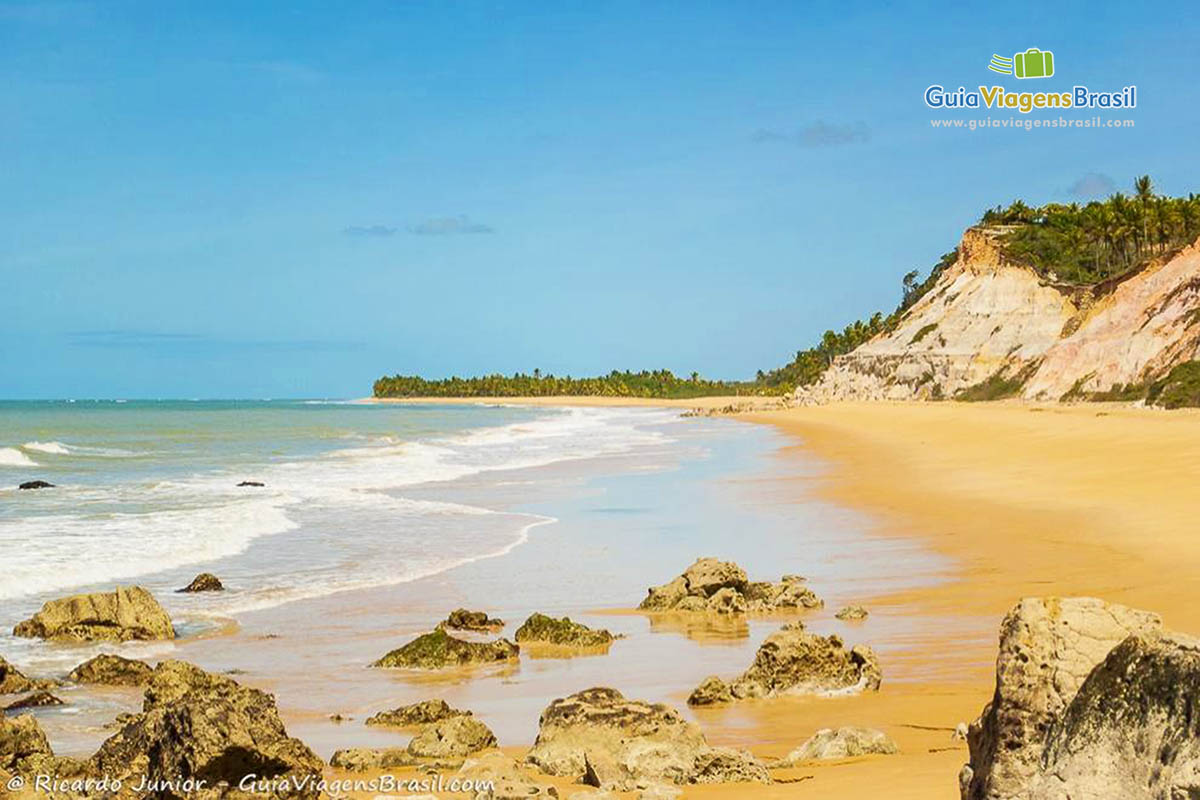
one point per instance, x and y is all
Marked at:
(148, 491)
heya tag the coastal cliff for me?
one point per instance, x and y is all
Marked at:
(990, 327)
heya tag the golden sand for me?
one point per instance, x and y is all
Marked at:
(1081, 500)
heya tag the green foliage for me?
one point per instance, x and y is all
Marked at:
(925, 331)
(997, 386)
(1086, 245)
(657, 384)
(1179, 389)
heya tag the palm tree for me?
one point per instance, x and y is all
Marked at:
(1143, 187)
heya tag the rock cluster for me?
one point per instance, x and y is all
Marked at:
(438, 650)
(605, 740)
(112, 670)
(1090, 701)
(794, 661)
(542, 629)
(194, 723)
(848, 742)
(508, 779)
(204, 582)
(416, 714)
(461, 619)
(721, 587)
(441, 744)
(852, 613)
(125, 614)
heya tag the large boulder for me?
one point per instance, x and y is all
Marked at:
(1132, 730)
(1048, 647)
(541, 629)
(112, 670)
(209, 727)
(793, 661)
(23, 746)
(605, 740)
(847, 742)
(721, 587)
(121, 615)
(438, 650)
(416, 714)
(502, 778)
(461, 619)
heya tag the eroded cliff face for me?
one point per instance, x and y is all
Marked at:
(991, 323)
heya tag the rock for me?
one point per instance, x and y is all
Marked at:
(438, 650)
(711, 691)
(659, 791)
(204, 582)
(960, 732)
(23, 746)
(508, 780)
(1048, 646)
(620, 743)
(363, 759)
(12, 681)
(254, 484)
(454, 737)
(542, 629)
(35, 700)
(721, 587)
(416, 714)
(793, 661)
(461, 619)
(197, 724)
(121, 615)
(1131, 730)
(852, 613)
(112, 670)
(27, 485)
(841, 743)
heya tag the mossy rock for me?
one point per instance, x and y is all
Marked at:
(542, 629)
(438, 650)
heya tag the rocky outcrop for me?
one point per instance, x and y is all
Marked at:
(794, 661)
(1132, 730)
(611, 742)
(12, 681)
(197, 724)
(416, 714)
(990, 323)
(722, 587)
(541, 629)
(461, 619)
(27, 485)
(439, 745)
(112, 670)
(852, 614)
(23, 746)
(848, 742)
(453, 737)
(1048, 648)
(125, 614)
(204, 582)
(40, 699)
(438, 650)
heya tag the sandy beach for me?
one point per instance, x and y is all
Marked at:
(1024, 500)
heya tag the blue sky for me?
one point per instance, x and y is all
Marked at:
(268, 200)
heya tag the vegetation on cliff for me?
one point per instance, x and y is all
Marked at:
(1088, 244)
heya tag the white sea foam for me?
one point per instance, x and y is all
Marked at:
(54, 448)
(12, 457)
(344, 498)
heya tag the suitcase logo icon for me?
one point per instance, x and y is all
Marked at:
(1033, 63)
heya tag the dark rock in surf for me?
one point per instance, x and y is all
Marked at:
(204, 582)
(35, 700)
(36, 485)
(257, 484)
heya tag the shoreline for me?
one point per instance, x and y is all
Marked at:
(1024, 499)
